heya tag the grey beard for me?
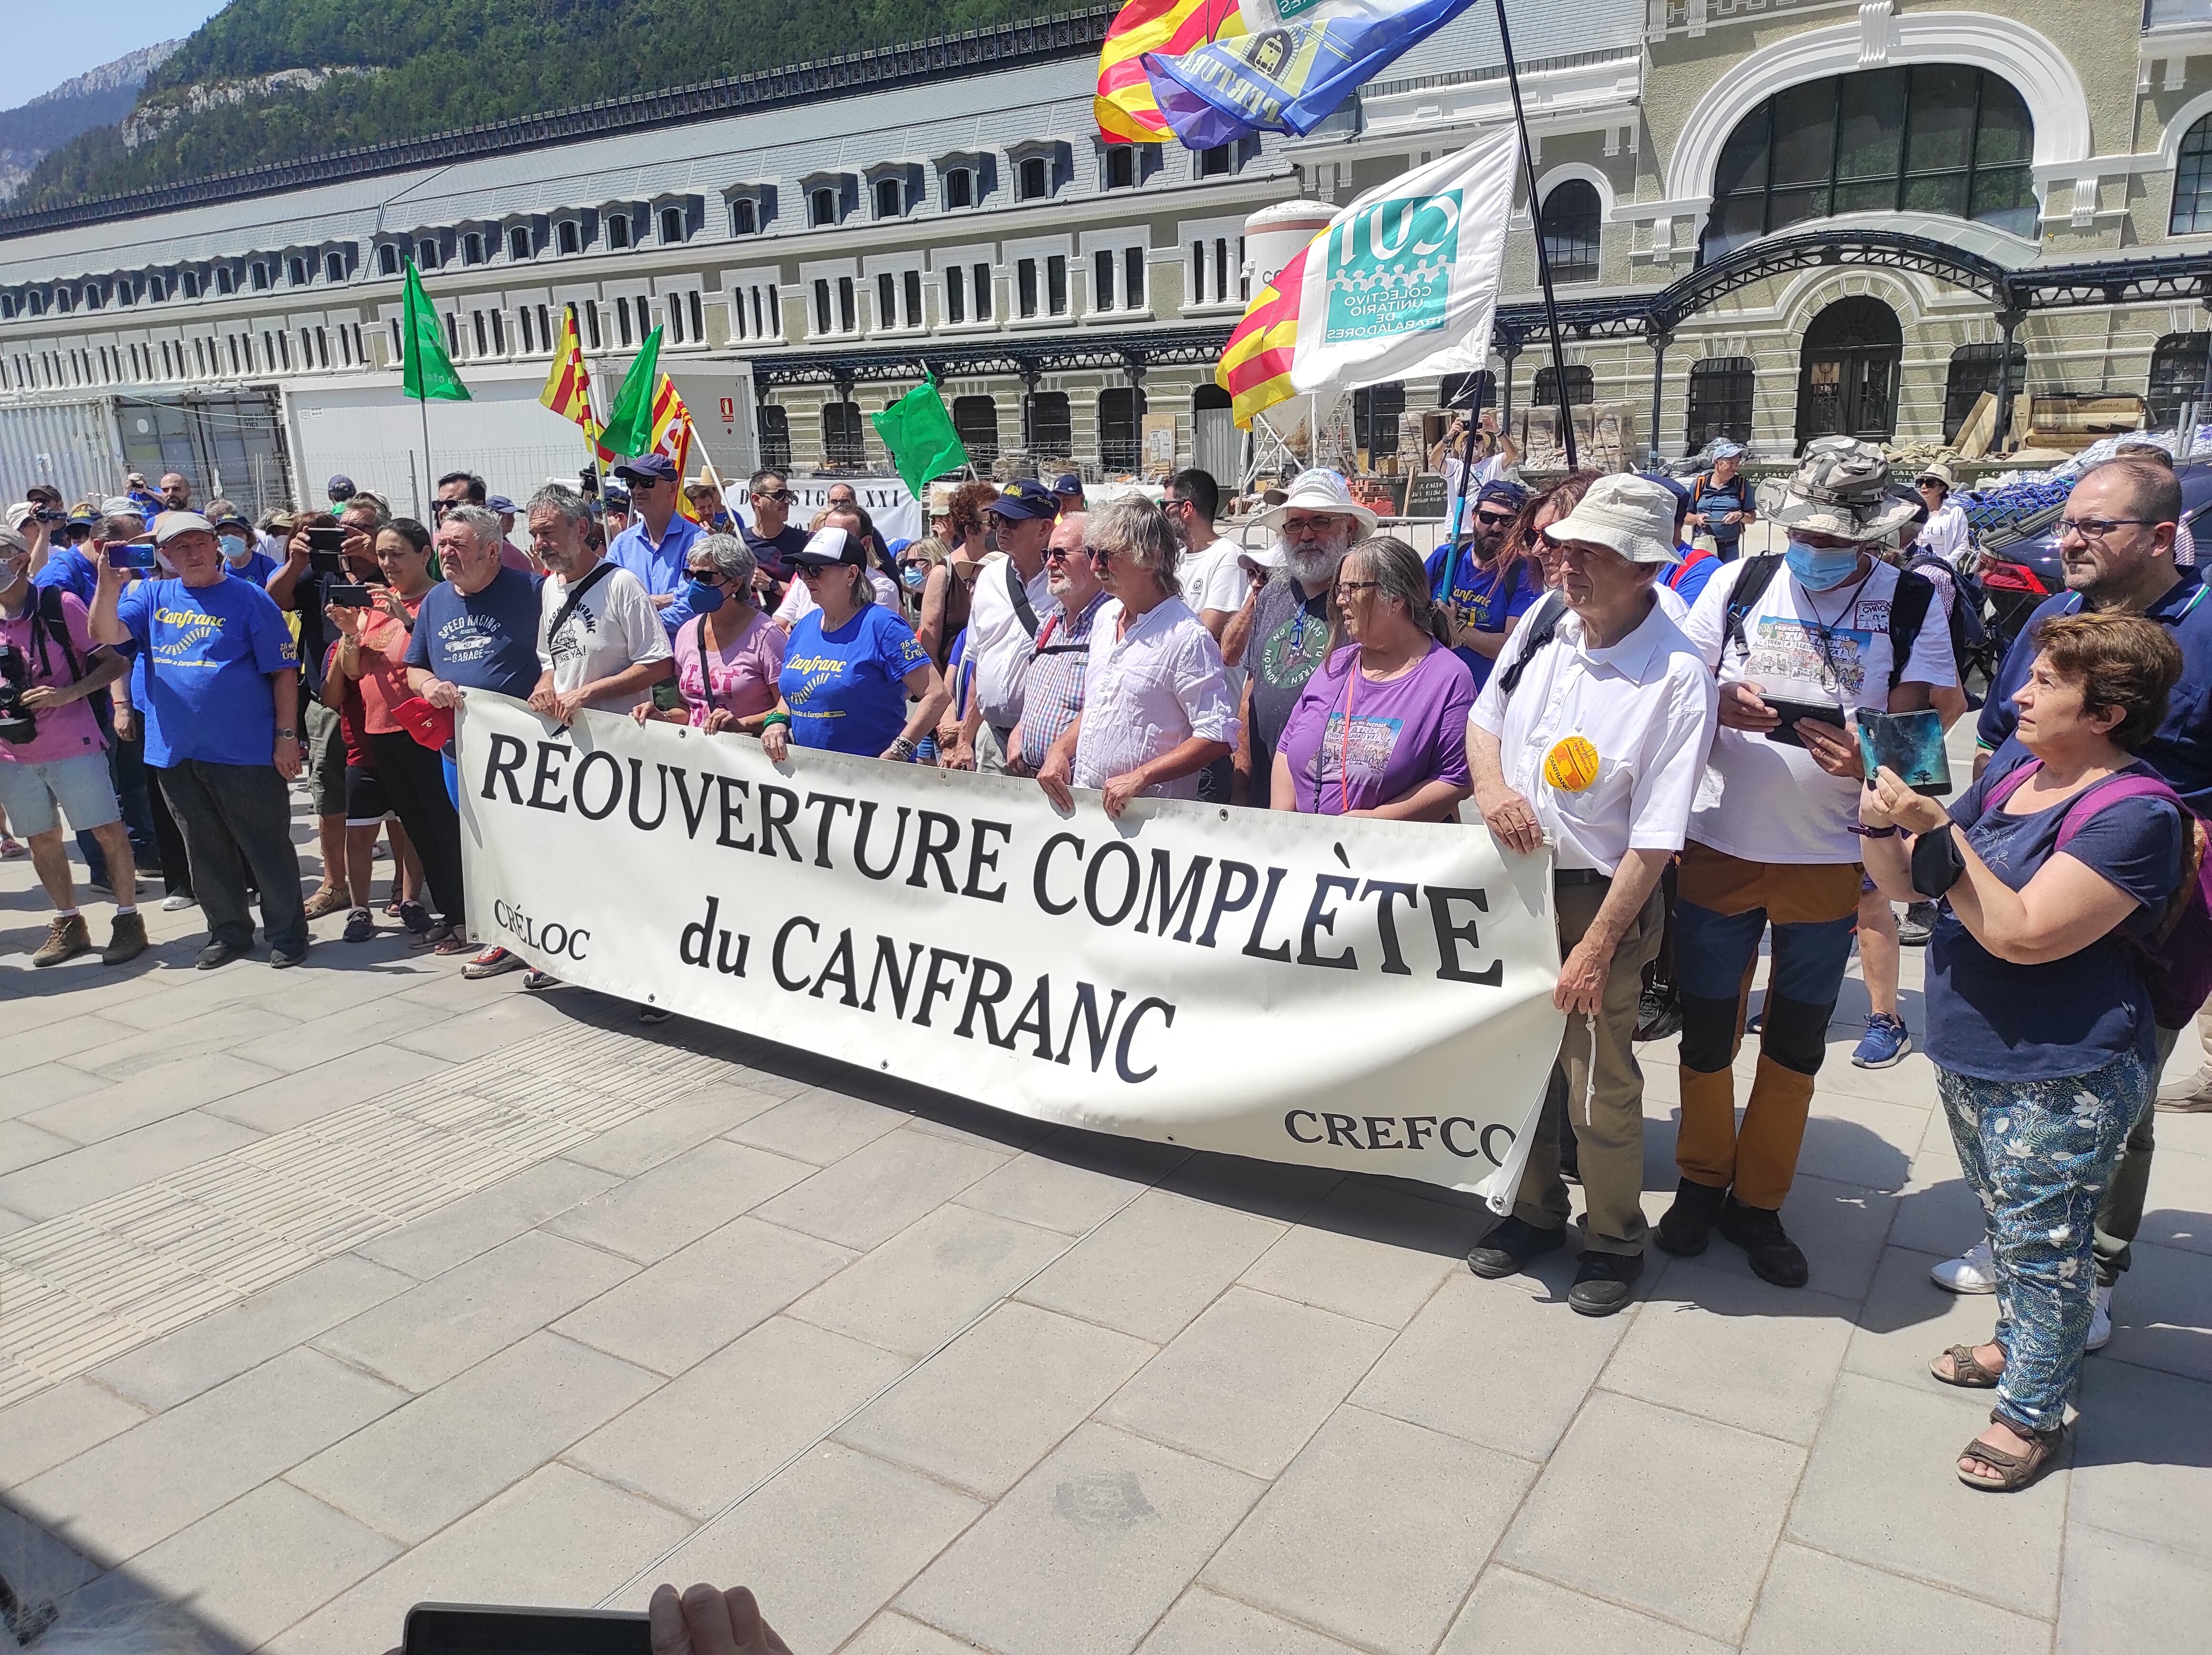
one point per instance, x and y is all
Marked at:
(1310, 568)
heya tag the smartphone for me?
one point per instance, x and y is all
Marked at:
(1790, 711)
(129, 554)
(353, 596)
(1912, 744)
(502, 1629)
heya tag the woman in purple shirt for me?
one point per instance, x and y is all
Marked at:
(1381, 729)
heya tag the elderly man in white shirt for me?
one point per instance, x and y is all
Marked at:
(1156, 707)
(1591, 735)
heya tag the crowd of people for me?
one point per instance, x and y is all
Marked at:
(1596, 664)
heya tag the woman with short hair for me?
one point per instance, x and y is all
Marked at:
(2056, 874)
(1156, 707)
(854, 679)
(728, 655)
(1380, 728)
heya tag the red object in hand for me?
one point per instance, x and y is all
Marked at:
(432, 726)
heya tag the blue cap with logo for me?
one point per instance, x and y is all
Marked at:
(648, 467)
(1068, 482)
(1025, 499)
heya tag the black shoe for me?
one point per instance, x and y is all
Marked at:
(219, 954)
(1510, 1245)
(1605, 1281)
(1918, 923)
(1757, 1230)
(285, 959)
(1688, 1224)
(1570, 1153)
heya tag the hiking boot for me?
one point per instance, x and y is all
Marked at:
(1884, 1044)
(65, 940)
(1688, 1225)
(126, 942)
(329, 899)
(1772, 1255)
(1605, 1282)
(1510, 1245)
(1916, 924)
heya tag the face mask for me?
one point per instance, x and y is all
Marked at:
(234, 548)
(1819, 568)
(916, 579)
(703, 598)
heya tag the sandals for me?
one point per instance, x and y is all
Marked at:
(447, 940)
(2014, 1471)
(329, 899)
(1966, 1373)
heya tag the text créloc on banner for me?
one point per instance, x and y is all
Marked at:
(1372, 996)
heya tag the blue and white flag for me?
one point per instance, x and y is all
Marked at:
(1287, 75)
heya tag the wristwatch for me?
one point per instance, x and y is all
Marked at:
(1865, 832)
(284, 735)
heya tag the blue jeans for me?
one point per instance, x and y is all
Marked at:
(2039, 1155)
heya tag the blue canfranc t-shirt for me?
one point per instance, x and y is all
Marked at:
(72, 571)
(847, 688)
(1999, 1022)
(2180, 751)
(480, 640)
(209, 653)
(1486, 597)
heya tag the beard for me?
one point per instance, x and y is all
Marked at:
(1311, 565)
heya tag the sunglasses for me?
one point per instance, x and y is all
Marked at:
(773, 497)
(1100, 556)
(1495, 519)
(812, 572)
(1067, 555)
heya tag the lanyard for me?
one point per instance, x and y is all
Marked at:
(1344, 743)
(1824, 633)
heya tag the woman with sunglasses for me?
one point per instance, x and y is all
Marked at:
(854, 678)
(1380, 727)
(728, 655)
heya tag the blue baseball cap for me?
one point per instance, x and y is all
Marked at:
(1505, 493)
(1025, 499)
(648, 467)
(340, 487)
(500, 503)
(1068, 482)
(1728, 450)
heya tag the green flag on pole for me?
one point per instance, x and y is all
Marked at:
(920, 435)
(630, 428)
(426, 371)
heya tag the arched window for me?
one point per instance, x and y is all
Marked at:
(890, 199)
(617, 229)
(1720, 401)
(518, 241)
(1048, 427)
(671, 225)
(841, 444)
(775, 436)
(1945, 138)
(567, 237)
(1572, 213)
(744, 216)
(334, 267)
(1582, 386)
(1974, 371)
(2193, 182)
(1035, 179)
(2177, 375)
(822, 207)
(960, 187)
(976, 420)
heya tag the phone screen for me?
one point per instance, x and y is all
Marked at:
(501, 1630)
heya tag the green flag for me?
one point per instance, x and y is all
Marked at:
(630, 428)
(920, 435)
(425, 369)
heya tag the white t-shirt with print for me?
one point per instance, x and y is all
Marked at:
(1767, 801)
(613, 628)
(1213, 578)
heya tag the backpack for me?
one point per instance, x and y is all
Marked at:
(1969, 636)
(1542, 624)
(1908, 609)
(2176, 958)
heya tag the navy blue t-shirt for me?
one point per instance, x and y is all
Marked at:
(2180, 752)
(481, 640)
(1487, 596)
(1999, 1022)
(774, 552)
(1716, 501)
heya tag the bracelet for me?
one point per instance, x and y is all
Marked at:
(775, 719)
(902, 747)
(1864, 832)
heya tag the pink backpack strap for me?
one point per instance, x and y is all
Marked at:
(2009, 784)
(2112, 790)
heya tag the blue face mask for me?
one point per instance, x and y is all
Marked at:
(234, 548)
(914, 576)
(1820, 568)
(703, 598)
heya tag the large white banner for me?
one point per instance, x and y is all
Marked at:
(1367, 994)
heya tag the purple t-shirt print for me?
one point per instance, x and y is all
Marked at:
(1394, 737)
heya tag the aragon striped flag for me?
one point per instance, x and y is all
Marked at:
(672, 435)
(1126, 109)
(568, 386)
(1255, 364)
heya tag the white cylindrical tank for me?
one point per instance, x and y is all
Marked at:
(1273, 235)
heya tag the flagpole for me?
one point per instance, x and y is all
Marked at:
(428, 469)
(1543, 259)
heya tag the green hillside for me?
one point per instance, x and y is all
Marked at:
(408, 67)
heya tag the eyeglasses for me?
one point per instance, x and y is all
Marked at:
(774, 497)
(1348, 590)
(1495, 519)
(644, 485)
(2096, 528)
(1312, 526)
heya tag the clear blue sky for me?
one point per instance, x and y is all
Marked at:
(61, 41)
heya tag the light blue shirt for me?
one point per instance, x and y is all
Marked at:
(666, 569)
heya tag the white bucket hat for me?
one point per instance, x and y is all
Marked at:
(1633, 515)
(1318, 490)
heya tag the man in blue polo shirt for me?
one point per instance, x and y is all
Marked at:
(656, 547)
(2116, 538)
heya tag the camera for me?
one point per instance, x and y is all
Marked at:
(588, 481)
(18, 724)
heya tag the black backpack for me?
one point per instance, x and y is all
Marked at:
(1908, 609)
(1969, 637)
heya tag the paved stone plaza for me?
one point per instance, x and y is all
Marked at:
(325, 1292)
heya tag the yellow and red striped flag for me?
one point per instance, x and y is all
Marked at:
(1125, 108)
(1255, 364)
(672, 435)
(568, 386)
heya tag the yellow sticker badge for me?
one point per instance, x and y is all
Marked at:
(1572, 765)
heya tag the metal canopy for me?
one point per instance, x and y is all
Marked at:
(1130, 352)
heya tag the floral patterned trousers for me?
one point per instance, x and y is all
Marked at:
(2039, 1155)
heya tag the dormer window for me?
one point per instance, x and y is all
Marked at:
(1120, 167)
(890, 199)
(960, 187)
(518, 241)
(1033, 180)
(258, 273)
(1216, 162)
(822, 206)
(91, 295)
(472, 252)
(672, 226)
(333, 267)
(157, 289)
(224, 282)
(297, 270)
(426, 254)
(387, 258)
(744, 216)
(618, 230)
(191, 279)
(566, 237)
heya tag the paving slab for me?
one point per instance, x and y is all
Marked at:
(665, 1132)
(476, 1223)
(1813, 1600)
(293, 1099)
(1075, 1194)
(926, 1283)
(2142, 1447)
(2119, 1591)
(1155, 1264)
(1510, 1613)
(881, 1186)
(1204, 1623)
(818, 1126)
(115, 1164)
(1369, 1251)
(59, 1424)
(647, 1217)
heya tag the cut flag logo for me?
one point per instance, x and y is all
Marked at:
(1402, 284)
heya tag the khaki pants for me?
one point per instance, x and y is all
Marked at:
(1605, 1091)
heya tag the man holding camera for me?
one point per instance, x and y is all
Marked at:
(53, 760)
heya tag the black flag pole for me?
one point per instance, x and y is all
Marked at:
(1543, 258)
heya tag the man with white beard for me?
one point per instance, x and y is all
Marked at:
(1289, 626)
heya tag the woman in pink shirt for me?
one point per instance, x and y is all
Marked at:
(728, 655)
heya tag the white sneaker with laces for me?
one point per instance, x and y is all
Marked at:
(1974, 1270)
(2101, 1319)
(176, 904)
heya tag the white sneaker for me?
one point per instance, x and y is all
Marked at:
(177, 904)
(1974, 1271)
(2101, 1319)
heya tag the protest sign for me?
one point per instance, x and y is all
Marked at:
(1357, 994)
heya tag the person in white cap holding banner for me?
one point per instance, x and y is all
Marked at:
(1591, 737)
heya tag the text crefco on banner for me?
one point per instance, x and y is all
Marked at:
(1365, 995)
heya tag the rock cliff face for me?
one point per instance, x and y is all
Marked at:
(155, 114)
(98, 97)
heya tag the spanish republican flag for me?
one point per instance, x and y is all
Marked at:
(568, 387)
(1255, 364)
(1126, 109)
(672, 435)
